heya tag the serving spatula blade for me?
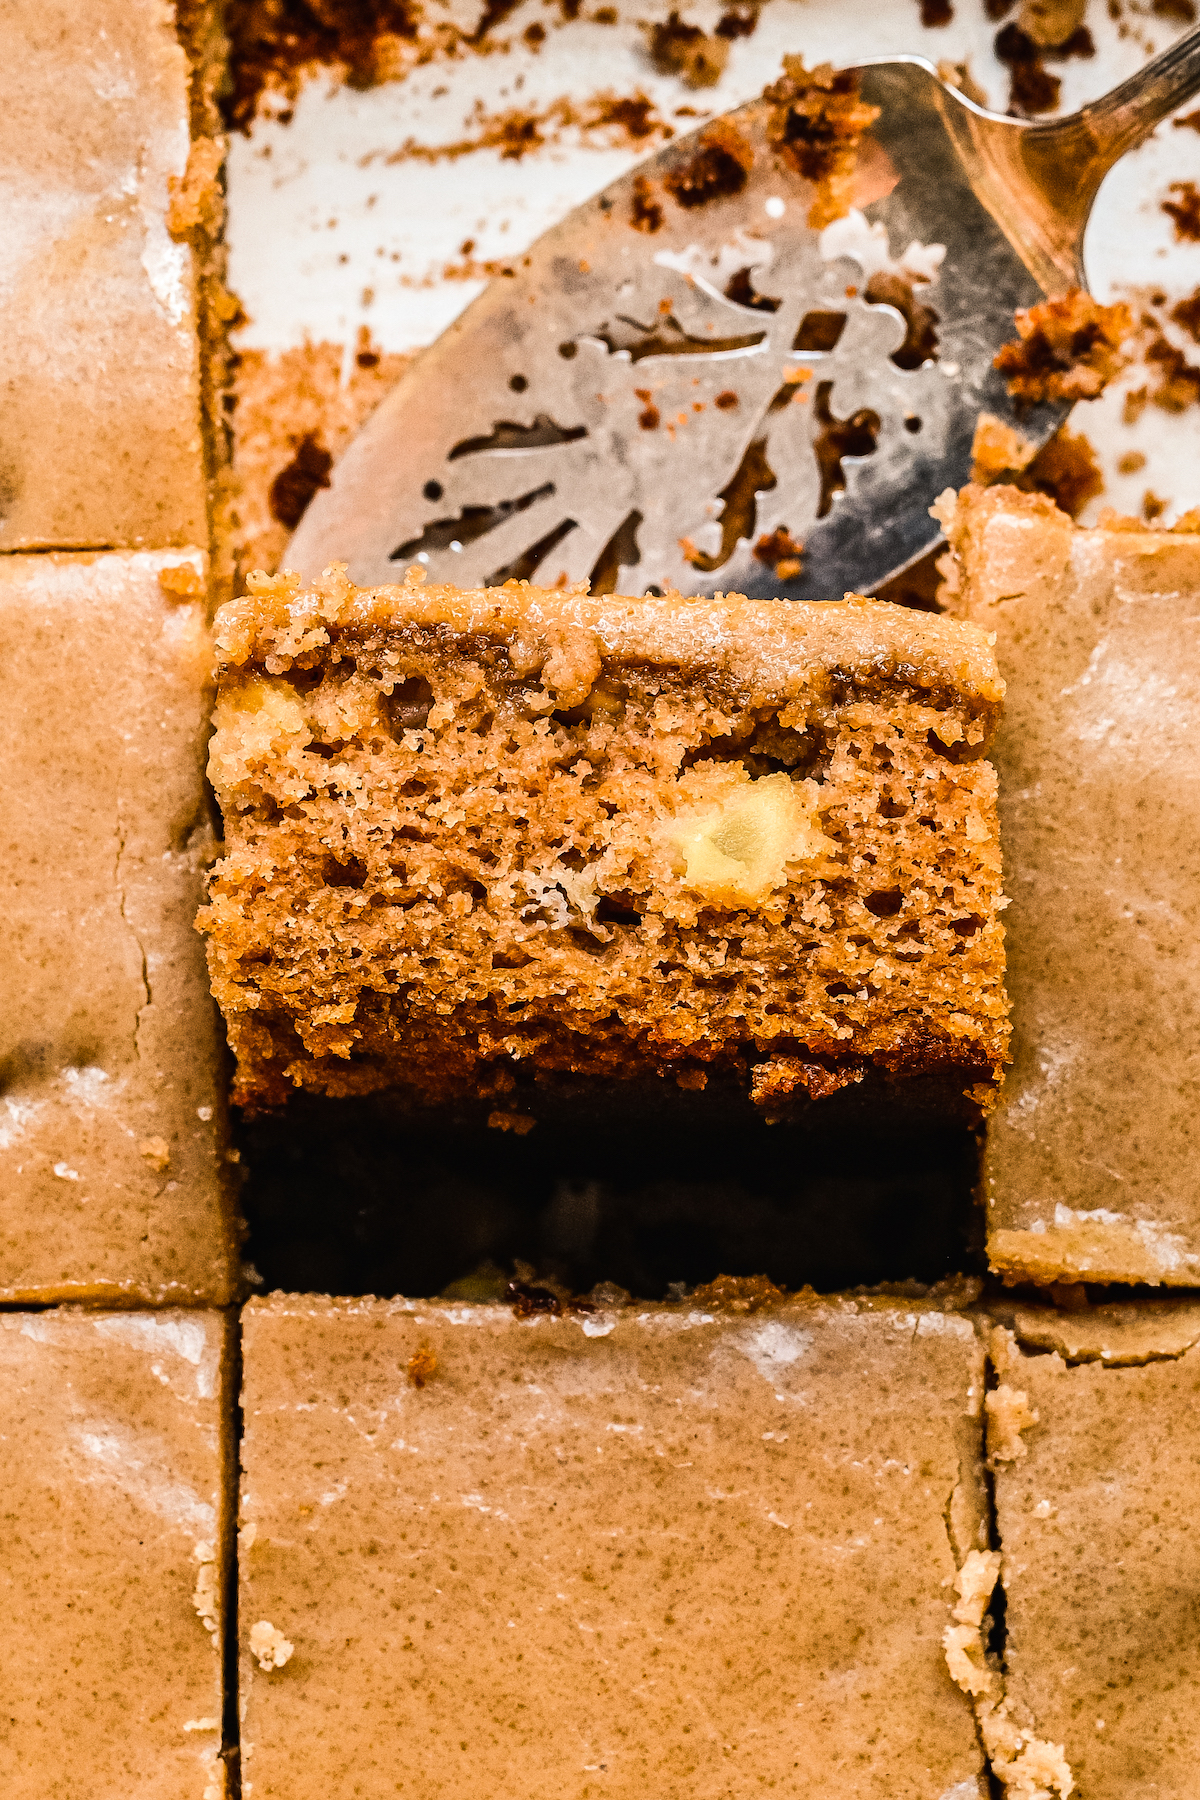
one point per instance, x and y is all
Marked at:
(671, 394)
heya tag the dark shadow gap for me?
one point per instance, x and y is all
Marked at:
(341, 1199)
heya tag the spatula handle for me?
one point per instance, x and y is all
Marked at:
(1129, 112)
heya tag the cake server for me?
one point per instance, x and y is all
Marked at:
(684, 381)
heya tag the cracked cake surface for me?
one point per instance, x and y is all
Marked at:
(1099, 1524)
(472, 837)
(112, 1111)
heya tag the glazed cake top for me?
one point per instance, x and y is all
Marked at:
(771, 645)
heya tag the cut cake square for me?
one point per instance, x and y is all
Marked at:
(113, 1182)
(1098, 1513)
(100, 439)
(480, 843)
(653, 1550)
(114, 1491)
(1092, 1158)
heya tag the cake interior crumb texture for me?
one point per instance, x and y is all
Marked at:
(113, 1183)
(114, 1479)
(1092, 1156)
(1099, 1522)
(478, 841)
(658, 1551)
(100, 440)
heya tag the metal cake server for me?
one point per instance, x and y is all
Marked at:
(671, 394)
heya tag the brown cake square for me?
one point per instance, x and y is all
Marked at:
(480, 843)
(658, 1550)
(115, 1497)
(1098, 1511)
(1092, 1157)
(113, 1181)
(100, 437)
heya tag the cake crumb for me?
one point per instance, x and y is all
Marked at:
(197, 202)
(204, 1596)
(422, 1366)
(998, 449)
(1185, 211)
(816, 124)
(182, 581)
(677, 48)
(736, 1293)
(1066, 467)
(1008, 1415)
(1068, 348)
(269, 1645)
(156, 1151)
(717, 171)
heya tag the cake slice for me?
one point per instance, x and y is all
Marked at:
(115, 1496)
(1098, 1513)
(1091, 1165)
(113, 1180)
(658, 1550)
(481, 844)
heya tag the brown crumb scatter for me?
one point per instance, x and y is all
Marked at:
(738, 22)
(997, 9)
(282, 400)
(816, 124)
(726, 400)
(1185, 211)
(1187, 314)
(645, 212)
(534, 35)
(422, 1366)
(936, 12)
(780, 551)
(606, 15)
(1065, 468)
(1052, 24)
(1068, 470)
(1032, 88)
(1183, 12)
(1179, 384)
(274, 42)
(520, 130)
(294, 486)
(717, 171)
(737, 1294)
(1189, 122)
(1068, 348)
(677, 48)
(1152, 506)
(1136, 402)
(1131, 462)
(649, 416)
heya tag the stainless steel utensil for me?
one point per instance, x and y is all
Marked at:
(669, 394)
